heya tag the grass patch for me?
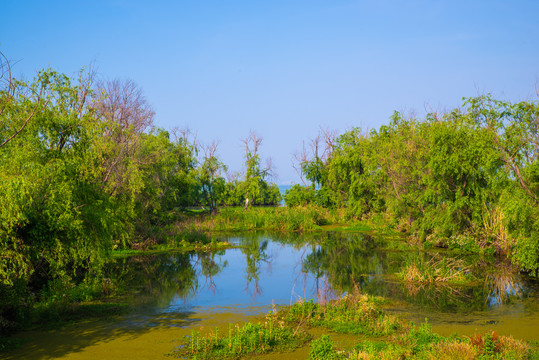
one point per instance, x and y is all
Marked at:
(421, 343)
(436, 270)
(356, 227)
(181, 246)
(300, 218)
(352, 314)
(243, 340)
(381, 336)
(324, 349)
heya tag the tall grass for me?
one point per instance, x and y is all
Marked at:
(353, 313)
(299, 218)
(436, 270)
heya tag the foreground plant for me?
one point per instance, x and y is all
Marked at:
(421, 343)
(243, 340)
(382, 336)
(355, 314)
(324, 349)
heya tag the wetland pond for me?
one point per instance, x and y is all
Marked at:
(171, 294)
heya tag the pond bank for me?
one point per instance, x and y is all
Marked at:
(175, 293)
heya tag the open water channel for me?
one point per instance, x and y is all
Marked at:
(173, 293)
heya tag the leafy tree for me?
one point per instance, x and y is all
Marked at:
(254, 185)
(169, 181)
(299, 195)
(55, 223)
(212, 184)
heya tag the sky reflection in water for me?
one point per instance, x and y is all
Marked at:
(270, 269)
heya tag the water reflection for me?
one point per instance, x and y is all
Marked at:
(278, 269)
(254, 248)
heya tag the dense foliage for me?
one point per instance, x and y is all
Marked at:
(468, 179)
(83, 172)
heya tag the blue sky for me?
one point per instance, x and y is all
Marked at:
(283, 68)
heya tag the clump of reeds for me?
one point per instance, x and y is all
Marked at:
(494, 231)
(444, 270)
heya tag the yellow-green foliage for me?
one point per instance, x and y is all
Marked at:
(356, 314)
(268, 218)
(243, 340)
(468, 178)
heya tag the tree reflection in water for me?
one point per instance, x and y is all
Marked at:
(504, 284)
(157, 279)
(328, 264)
(254, 248)
(210, 267)
(350, 260)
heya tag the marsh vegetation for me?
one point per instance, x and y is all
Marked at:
(103, 213)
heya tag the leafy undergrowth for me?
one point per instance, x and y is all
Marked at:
(304, 218)
(243, 340)
(421, 343)
(377, 336)
(352, 314)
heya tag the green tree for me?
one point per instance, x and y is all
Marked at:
(212, 184)
(169, 181)
(254, 185)
(56, 227)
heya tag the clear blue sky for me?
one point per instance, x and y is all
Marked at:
(283, 68)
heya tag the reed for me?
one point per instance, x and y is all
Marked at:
(436, 270)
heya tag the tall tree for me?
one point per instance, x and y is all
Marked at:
(211, 181)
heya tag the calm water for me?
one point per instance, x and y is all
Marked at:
(174, 293)
(271, 269)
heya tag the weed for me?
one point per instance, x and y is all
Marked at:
(240, 340)
(354, 314)
(436, 270)
(324, 349)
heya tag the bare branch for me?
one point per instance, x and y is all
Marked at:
(330, 140)
(269, 169)
(123, 103)
(252, 142)
(123, 108)
(298, 159)
(210, 150)
(6, 81)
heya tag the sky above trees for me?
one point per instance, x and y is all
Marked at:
(283, 68)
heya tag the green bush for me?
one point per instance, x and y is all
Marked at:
(324, 349)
